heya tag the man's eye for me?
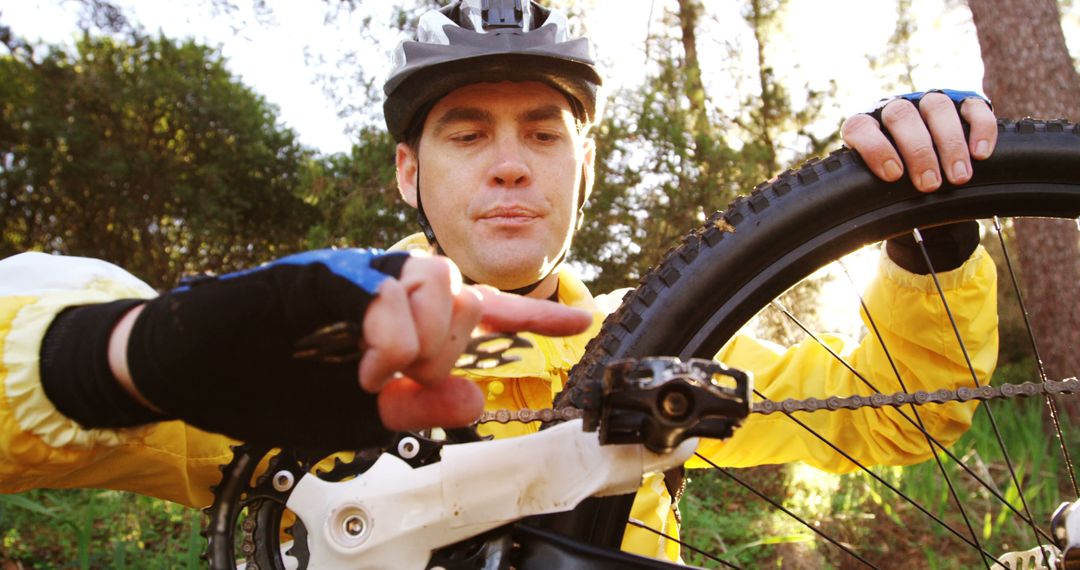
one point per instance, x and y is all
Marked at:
(466, 137)
(546, 136)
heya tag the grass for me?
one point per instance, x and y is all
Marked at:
(92, 528)
(881, 527)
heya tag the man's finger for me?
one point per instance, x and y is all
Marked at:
(939, 112)
(406, 405)
(863, 134)
(434, 369)
(983, 136)
(907, 128)
(390, 336)
(431, 283)
(506, 312)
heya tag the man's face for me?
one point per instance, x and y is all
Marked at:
(500, 167)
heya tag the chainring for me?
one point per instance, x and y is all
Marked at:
(264, 503)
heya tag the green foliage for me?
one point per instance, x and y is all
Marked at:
(657, 176)
(147, 153)
(667, 158)
(356, 195)
(896, 61)
(727, 520)
(1036, 459)
(88, 528)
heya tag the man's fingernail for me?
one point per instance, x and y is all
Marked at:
(959, 170)
(929, 180)
(892, 169)
(982, 149)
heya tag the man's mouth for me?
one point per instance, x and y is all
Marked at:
(509, 215)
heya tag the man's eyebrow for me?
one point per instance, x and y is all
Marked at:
(463, 114)
(544, 113)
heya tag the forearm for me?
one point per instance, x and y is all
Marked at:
(118, 342)
(909, 314)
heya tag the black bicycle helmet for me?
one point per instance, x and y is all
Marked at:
(476, 41)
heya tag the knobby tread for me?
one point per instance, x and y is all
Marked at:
(835, 179)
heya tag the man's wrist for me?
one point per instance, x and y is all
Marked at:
(76, 367)
(948, 247)
(118, 343)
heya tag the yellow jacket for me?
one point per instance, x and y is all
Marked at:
(41, 448)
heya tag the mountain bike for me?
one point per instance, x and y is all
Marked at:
(647, 391)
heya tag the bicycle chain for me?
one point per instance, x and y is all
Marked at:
(896, 400)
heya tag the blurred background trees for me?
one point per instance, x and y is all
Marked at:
(145, 152)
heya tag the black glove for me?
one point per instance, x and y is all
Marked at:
(217, 352)
(948, 247)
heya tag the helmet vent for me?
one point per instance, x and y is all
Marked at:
(499, 15)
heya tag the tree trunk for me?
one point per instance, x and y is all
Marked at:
(689, 13)
(1028, 72)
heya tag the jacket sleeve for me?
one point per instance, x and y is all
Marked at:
(39, 447)
(915, 328)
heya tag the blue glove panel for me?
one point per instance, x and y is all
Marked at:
(358, 266)
(353, 264)
(957, 97)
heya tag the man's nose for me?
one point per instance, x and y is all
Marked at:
(510, 169)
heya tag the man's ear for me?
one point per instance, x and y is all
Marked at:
(589, 167)
(407, 173)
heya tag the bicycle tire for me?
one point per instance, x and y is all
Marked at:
(720, 275)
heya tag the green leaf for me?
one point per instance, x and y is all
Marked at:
(23, 502)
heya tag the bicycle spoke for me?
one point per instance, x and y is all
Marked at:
(975, 545)
(975, 378)
(639, 524)
(989, 487)
(915, 411)
(762, 496)
(1050, 401)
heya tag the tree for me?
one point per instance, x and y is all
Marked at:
(356, 195)
(661, 167)
(668, 157)
(1028, 72)
(144, 152)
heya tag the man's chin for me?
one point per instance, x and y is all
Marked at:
(509, 276)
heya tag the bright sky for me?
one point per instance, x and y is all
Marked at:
(271, 58)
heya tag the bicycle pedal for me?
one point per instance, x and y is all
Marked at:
(662, 401)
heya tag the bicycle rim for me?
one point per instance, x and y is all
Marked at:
(725, 272)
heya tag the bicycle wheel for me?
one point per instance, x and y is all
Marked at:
(724, 273)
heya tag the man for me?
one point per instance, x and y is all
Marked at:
(492, 108)
(494, 153)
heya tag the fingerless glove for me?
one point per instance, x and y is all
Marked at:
(217, 352)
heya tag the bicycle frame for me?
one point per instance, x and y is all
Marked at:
(397, 516)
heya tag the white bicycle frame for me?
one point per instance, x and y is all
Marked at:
(395, 516)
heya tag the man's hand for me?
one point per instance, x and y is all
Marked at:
(917, 132)
(419, 325)
(218, 354)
